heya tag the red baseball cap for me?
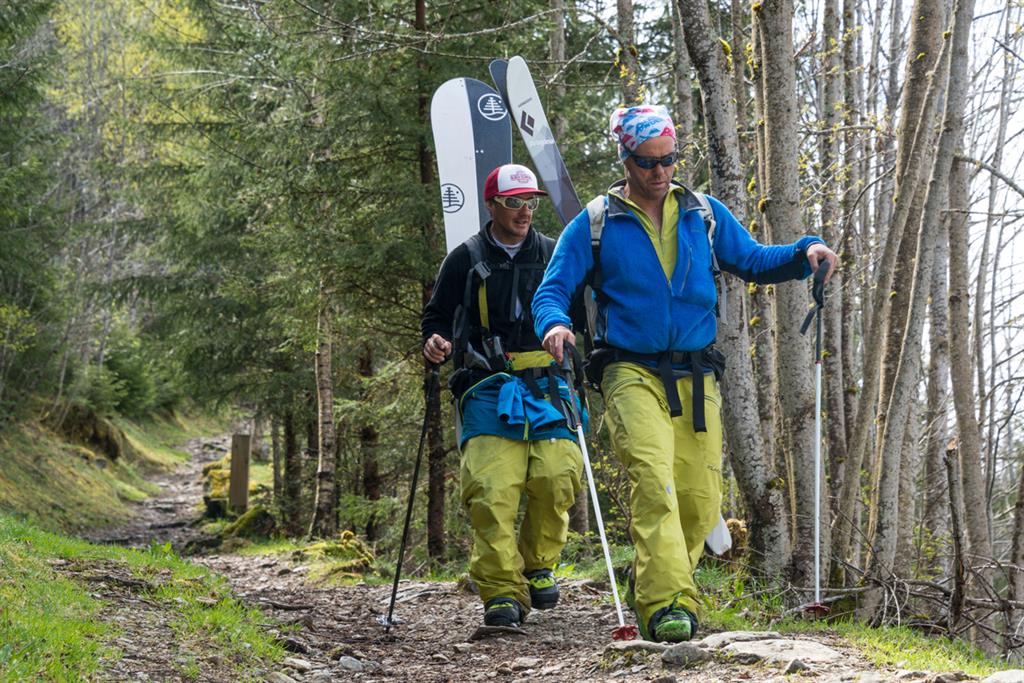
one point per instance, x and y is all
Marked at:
(509, 180)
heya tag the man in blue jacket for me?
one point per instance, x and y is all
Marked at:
(654, 282)
(510, 401)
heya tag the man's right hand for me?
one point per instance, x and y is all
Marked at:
(556, 339)
(437, 348)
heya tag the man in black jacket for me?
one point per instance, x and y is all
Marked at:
(510, 401)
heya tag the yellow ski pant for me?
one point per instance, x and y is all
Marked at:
(495, 472)
(675, 476)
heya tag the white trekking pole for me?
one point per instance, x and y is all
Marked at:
(623, 631)
(816, 608)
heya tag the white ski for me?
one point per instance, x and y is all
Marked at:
(472, 137)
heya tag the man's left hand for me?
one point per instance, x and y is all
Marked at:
(818, 251)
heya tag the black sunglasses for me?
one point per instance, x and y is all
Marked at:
(650, 162)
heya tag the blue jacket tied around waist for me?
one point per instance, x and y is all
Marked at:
(502, 405)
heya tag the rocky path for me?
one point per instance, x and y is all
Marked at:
(334, 634)
(168, 516)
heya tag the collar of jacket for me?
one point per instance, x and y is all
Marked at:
(529, 244)
(616, 207)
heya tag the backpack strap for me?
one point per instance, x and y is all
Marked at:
(710, 223)
(478, 269)
(597, 209)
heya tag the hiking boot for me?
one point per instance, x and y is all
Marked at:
(543, 589)
(672, 624)
(502, 612)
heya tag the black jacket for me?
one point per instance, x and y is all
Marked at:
(516, 333)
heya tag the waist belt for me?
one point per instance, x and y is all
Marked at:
(665, 362)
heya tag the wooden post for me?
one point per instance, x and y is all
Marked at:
(238, 492)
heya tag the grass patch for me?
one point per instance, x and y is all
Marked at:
(49, 628)
(69, 487)
(62, 486)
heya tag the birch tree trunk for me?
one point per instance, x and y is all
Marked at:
(774, 25)
(880, 566)
(325, 514)
(754, 472)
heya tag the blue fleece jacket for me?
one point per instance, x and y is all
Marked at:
(641, 311)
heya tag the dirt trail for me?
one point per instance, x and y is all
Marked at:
(336, 635)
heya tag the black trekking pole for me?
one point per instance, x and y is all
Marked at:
(434, 383)
(816, 608)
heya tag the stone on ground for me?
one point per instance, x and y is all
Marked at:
(1010, 676)
(716, 641)
(781, 650)
(686, 655)
(623, 646)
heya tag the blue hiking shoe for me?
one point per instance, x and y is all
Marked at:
(502, 612)
(543, 588)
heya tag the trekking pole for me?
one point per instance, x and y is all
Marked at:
(816, 608)
(434, 383)
(624, 631)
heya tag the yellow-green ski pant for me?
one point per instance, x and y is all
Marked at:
(495, 472)
(675, 476)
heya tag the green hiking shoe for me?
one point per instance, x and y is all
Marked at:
(543, 588)
(502, 612)
(672, 624)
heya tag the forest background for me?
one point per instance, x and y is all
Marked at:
(236, 203)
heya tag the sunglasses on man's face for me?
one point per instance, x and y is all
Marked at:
(516, 203)
(650, 162)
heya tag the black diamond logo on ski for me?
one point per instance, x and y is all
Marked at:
(526, 123)
(452, 198)
(491, 107)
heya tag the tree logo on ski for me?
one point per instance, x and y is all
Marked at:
(526, 123)
(452, 198)
(472, 136)
(491, 107)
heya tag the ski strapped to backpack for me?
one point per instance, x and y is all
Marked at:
(597, 210)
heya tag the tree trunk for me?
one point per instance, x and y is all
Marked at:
(964, 400)
(936, 199)
(774, 20)
(832, 172)
(291, 503)
(935, 515)
(368, 444)
(275, 454)
(627, 61)
(325, 514)
(683, 102)
(579, 514)
(754, 471)
(432, 400)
